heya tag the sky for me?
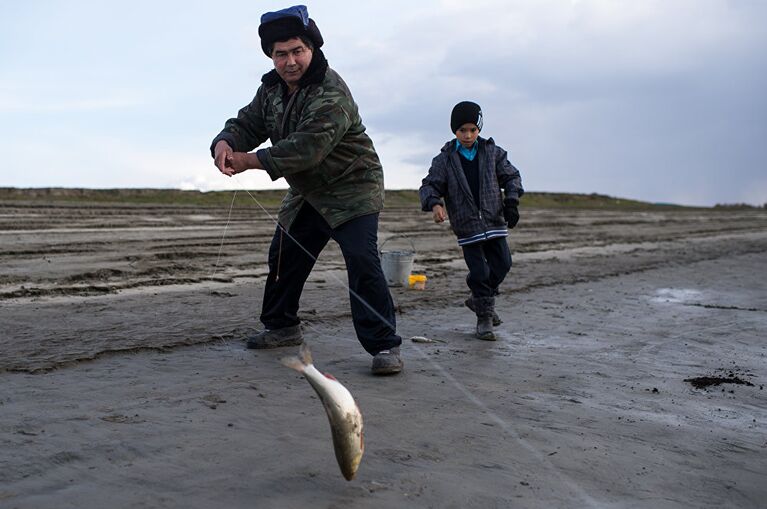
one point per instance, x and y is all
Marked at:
(657, 100)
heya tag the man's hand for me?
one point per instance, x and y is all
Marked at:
(222, 157)
(439, 214)
(231, 163)
(239, 162)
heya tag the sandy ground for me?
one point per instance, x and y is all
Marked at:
(124, 381)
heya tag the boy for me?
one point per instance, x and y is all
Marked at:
(469, 174)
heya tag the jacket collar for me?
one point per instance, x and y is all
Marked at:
(450, 146)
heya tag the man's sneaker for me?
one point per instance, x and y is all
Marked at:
(470, 304)
(276, 338)
(387, 362)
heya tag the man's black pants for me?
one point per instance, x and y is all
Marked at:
(289, 267)
(489, 261)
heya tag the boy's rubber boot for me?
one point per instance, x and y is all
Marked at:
(469, 303)
(484, 309)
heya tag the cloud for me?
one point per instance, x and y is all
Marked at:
(405, 158)
(640, 100)
(651, 100)
(42, 104)
(206, 177)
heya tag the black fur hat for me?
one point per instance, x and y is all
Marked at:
(285, 24)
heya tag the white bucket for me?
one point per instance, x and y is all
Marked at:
(397, 264)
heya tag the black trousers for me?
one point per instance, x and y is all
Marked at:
(489, 261)
(289, 267)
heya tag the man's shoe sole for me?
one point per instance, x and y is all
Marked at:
(391, 370)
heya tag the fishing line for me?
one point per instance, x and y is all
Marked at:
(221, 338)
(664, 341)
(508, 428)
(314, 258)
(707, 329)
(223, 236)
(458, 385)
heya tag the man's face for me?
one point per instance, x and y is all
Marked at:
(291, 60)
(467, 134)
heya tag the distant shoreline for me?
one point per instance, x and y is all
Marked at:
(273, 197)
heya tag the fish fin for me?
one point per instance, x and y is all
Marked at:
(305, 353)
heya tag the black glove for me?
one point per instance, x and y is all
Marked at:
(511, 215)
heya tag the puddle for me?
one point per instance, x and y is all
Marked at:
(676, 295)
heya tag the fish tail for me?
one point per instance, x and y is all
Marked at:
(298, 363)
(305, 353)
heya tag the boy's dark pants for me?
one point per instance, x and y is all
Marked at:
(290, 265)
(489, 261)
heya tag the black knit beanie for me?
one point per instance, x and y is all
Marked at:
(465, 112)
(285, 24)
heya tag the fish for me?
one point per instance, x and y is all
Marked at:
(421, 339)
(343, 412)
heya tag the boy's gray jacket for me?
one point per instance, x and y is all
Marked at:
(319, 145)
(447, 180)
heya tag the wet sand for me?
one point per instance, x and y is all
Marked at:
(124, 377)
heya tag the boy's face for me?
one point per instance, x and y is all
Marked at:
(467, 134)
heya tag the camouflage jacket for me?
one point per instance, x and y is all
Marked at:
(319, 144)
(447, 180)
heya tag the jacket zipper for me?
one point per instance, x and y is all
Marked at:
(286, 114)
(468, 193)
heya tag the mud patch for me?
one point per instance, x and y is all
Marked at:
(101, 274)
(702, 382)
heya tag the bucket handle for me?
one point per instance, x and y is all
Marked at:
(380, 249)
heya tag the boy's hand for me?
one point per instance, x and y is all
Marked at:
(439, 214)
(511, 215)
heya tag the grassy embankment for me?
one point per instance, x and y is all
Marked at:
(272, 198)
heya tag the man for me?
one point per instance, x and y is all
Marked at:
(320, 148)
